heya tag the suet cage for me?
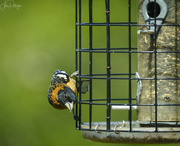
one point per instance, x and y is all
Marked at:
(129, 102)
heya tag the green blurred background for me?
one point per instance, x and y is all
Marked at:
(38, 39)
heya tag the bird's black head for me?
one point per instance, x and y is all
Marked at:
(60, 77)
(67, 97)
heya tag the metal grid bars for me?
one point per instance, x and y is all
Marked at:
(88, 72)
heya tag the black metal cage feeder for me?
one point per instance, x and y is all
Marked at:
(151, 105)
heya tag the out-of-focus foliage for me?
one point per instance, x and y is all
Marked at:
(35, 40)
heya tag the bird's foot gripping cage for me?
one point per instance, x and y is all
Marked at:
(125, 104)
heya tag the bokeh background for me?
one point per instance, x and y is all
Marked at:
(37, 39)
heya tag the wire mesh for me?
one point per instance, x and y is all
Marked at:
(129, 76)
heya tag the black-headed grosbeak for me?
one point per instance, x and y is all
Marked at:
(62, 93)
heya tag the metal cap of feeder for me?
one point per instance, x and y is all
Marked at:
(158, 77)
(151, 18)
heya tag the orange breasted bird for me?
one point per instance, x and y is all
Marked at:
(62, 93)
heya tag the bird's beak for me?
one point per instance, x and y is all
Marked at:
(69, 105)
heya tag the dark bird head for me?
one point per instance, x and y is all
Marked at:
(67, 97)
(60, 77)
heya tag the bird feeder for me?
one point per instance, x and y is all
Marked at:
(157, 98)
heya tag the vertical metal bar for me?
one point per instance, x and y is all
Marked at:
(90, 64)
(108, 67)
(130, 110)
(155, 66)
(80, 64)
(76, 35)
(76, 45)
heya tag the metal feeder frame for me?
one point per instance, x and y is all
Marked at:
(123, 131)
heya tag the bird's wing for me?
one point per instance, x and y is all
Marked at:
(69, 93)
(66, 95)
